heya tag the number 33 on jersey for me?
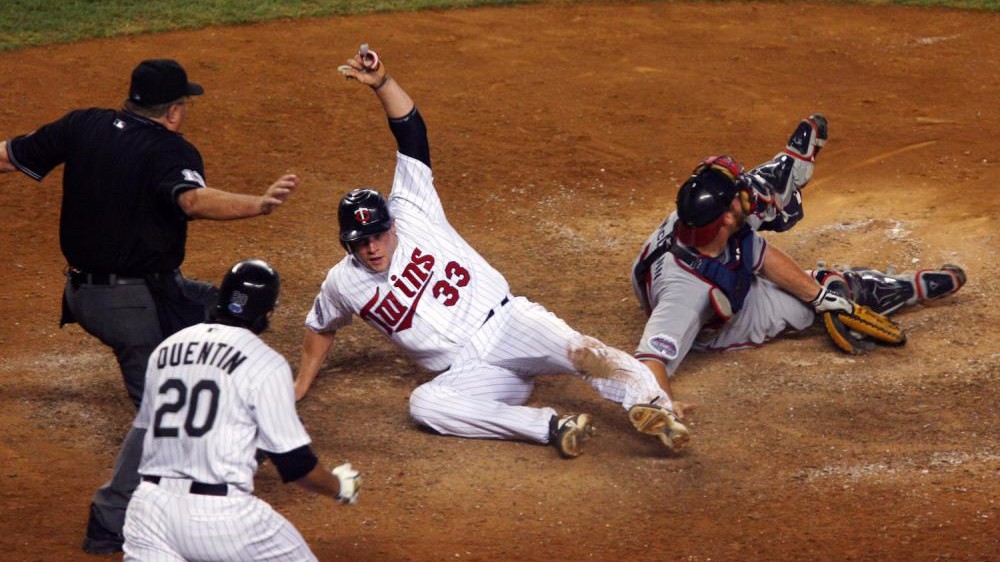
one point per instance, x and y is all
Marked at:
(391, 314)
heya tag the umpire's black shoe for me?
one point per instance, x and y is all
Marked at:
(100, 540)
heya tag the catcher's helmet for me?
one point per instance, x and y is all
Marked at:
(249, 291)
(704, 197)
(362, 213)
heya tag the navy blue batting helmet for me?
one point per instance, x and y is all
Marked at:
(249, 291)
(362, 213)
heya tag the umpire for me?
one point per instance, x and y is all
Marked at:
(131, 183)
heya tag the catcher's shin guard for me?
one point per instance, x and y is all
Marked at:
(885, 293)
(808, 138)
(934, 284)
(834, 281)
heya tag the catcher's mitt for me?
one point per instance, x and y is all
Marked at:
(850, 331)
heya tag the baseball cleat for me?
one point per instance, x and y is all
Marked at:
(569, 433)
(661, 422)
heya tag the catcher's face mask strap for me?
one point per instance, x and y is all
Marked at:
(745, 200)
(725, 164)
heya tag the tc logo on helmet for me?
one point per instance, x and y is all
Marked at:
(363, 215)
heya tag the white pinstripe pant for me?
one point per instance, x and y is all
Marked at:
(482, 394)
(166, 523)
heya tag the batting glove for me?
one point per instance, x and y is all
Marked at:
(828, 301)
(350, 483)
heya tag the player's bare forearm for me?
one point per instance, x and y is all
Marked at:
(782, 270)
(396, 102)
(216, 204)
(660, 372)
(315, 347)
(5, 164)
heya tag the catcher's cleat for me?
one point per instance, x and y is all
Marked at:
(661, 422)
(568, 434)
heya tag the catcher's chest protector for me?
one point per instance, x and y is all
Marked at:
(733, 278)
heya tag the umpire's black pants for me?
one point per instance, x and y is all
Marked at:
(123, 316)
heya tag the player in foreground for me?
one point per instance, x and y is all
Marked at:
(707, 281)
(214, 392)
(409, 274)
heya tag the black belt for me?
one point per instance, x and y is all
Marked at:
(494, 310)
(199, 488)
(78, 278)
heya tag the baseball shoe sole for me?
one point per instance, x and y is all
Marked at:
(572, 432)
(660, 422)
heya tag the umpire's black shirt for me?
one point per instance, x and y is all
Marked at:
(120, 186)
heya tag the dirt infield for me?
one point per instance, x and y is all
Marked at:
(559, 135)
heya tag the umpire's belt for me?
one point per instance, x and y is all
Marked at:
(199, 488)
(77, 278)
(495, 309)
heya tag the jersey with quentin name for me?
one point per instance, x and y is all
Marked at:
(214, 394)
(437, 291)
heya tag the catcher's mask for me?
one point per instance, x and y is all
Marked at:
(249, 291)
(362, 213)
(704, 197)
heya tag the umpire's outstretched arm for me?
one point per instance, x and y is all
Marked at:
(5, 164)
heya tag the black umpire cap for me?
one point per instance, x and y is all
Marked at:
(157, 81)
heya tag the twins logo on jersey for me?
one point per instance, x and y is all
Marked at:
(392, 315)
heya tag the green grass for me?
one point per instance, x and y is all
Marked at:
(26, 23)
(38, 22)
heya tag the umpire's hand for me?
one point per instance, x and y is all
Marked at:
(278, 192)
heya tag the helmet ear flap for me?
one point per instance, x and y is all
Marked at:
(259, 324)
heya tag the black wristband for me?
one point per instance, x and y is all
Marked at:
(378, 86)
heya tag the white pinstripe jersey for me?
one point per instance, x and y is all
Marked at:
(214, 394)
(437, 290)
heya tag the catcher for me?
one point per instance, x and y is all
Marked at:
(707, 281)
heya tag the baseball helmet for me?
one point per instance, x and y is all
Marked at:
(704, 197)
(249, 291)
(362, 213)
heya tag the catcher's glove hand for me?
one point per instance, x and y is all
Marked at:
(849, 331)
